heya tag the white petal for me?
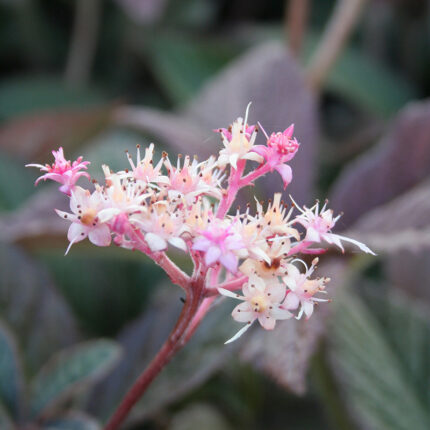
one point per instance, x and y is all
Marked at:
(77, 232)
(239, 333)
(178, 243)
(228, 293)
(362, 246)
(243, 313)
(290, 282)
(156, 243)
(312, 235)
(276, 292)
(267, 322)
(308, 308)
(100, 235)
(107, 214)
(212, 255)
(280, 314)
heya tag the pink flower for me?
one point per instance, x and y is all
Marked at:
(262, 301)
(302, 290)
(218, 242)
(281, 148)
(63, 171)
(84, 217)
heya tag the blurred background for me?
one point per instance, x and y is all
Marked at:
(99, 76)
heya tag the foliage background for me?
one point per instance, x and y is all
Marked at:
(100, 76)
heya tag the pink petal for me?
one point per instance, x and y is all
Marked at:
(212, 255)
(291, 301)
(202, 244)
(229, 261)
(286, 173)
(261, 150)
(100, 235)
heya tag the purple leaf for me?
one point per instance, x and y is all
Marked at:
(397, 163)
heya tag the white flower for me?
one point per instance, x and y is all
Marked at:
(318, 226)
(302, 290)
(262, 301)
(85, 220)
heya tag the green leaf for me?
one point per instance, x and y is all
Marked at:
(5, 421)
(20, 96)
(73, 421)
(70, 371)
(381, 360)
(182, 64)
(11, 378)
(13, 172)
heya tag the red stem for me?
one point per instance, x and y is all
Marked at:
(174, 342)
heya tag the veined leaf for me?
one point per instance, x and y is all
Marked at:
(11, 378)
(381, 361)
(20, 96)
(73, 421)
(5, 421)
(71, 371)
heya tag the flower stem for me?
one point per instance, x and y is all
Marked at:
(172, 345)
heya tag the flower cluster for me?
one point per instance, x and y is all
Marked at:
(157, 205)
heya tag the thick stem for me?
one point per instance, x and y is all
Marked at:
(336, 33)
(296, 14)
(174, 342)
(83, 43)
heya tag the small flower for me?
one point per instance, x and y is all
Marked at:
(122, 196)
(261, 300)
(84, 217)
(276, 264)
(63, 171)
(302, 290)
(161, 226)
(281, 148)
(318, 226)
(238, 143)
(144, 169)
(218, 242)
(187, 183)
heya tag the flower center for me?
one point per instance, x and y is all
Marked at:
(259, 303)
(89, 217)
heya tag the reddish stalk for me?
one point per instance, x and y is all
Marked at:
(172, 345)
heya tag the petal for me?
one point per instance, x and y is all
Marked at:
(308, 308)
(212, 255)
(156, 243)
(77, 232)
(202, 244)
(286, 173)
(228, 293)
(360, 245)
(107, 214)
(243, 312)
(260, 150)
(267, 322)
(280, 314)
(239, 333)
(229, 261)
(100, 235)
(312, 235)
(290, 282)
(292, 301)
(276, 292)
(178, 243)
